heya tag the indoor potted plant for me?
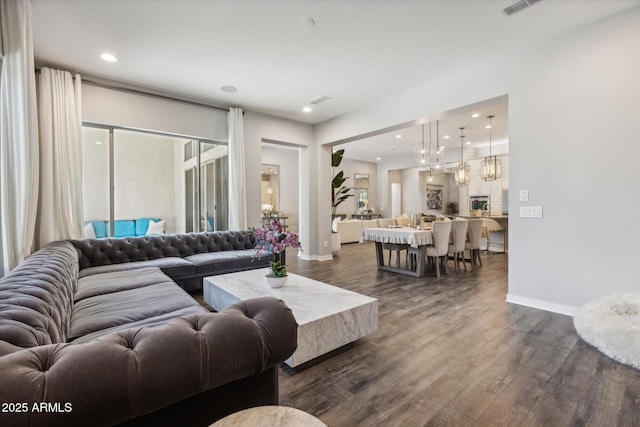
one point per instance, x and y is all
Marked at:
(272, 240)
(339, 193)
(452, 208)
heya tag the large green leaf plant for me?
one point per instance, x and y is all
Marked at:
(339, 191)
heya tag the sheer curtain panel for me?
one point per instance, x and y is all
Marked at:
(237, 197)
(18, 134)
(60, 201)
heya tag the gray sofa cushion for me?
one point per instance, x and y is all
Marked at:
(160, 320)
(117, 281)
(226, 261)
(154, 296)
(171, 266)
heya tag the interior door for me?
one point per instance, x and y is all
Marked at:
(396, 199)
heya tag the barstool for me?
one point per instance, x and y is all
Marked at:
(494, 227)
(474, 239)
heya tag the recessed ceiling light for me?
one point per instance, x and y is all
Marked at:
(378, 158)
(229, 89)
(446, 137)
(474, 115)
(108, 57)
(487, 127)
(307, 109)
(398, 136)
(98, 142)
(468, 142)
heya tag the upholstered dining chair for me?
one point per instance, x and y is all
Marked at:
(458, 242)
(474, 239)
(438, 251)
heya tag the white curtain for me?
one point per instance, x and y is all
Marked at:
(60, 201)
(18, 134)
(237, 197)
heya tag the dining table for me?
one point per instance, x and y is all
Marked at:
(416, 239)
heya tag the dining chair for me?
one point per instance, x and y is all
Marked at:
(438, 251)
(474, 239)
(397, 247)
(458, 242)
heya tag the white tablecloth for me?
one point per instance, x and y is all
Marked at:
(404, 235)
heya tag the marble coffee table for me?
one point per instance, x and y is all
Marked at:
(269, 416)
(328, 317)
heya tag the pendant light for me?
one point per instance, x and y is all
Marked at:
(431, 153)
(462, 173)
(490, 167)
(420, 153)
(438, 154)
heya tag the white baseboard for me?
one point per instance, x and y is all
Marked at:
(542, 305)
(315, 257)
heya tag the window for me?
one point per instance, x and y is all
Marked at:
(135, 182)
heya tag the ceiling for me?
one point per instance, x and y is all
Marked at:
(282, 54)
(396, 147)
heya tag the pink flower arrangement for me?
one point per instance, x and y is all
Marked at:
(273, 239)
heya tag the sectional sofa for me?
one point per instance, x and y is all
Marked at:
(185, 258)
(97, 333)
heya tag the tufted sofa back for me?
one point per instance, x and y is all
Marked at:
(36, 298)
(97, 252)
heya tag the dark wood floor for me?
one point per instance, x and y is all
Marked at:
(452, 352)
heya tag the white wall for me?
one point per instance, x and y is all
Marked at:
(350, 167)
(574, 126)
(414, 191)
(146, 112)
(260, 128)
(442, 181)
(289, 182)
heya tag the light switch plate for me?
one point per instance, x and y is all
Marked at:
(530, 211)
(524, 195)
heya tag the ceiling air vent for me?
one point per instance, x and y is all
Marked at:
(518, 6)
(319, 99)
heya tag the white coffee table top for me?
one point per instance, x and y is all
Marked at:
(309, 299)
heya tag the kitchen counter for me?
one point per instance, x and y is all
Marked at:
(496, 217)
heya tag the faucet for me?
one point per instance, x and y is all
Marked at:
(486, 209)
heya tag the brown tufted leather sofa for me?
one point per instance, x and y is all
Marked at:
(129, 347)
(186, 258)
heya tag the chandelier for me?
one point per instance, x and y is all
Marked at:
(490, 167)
(462, 173)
